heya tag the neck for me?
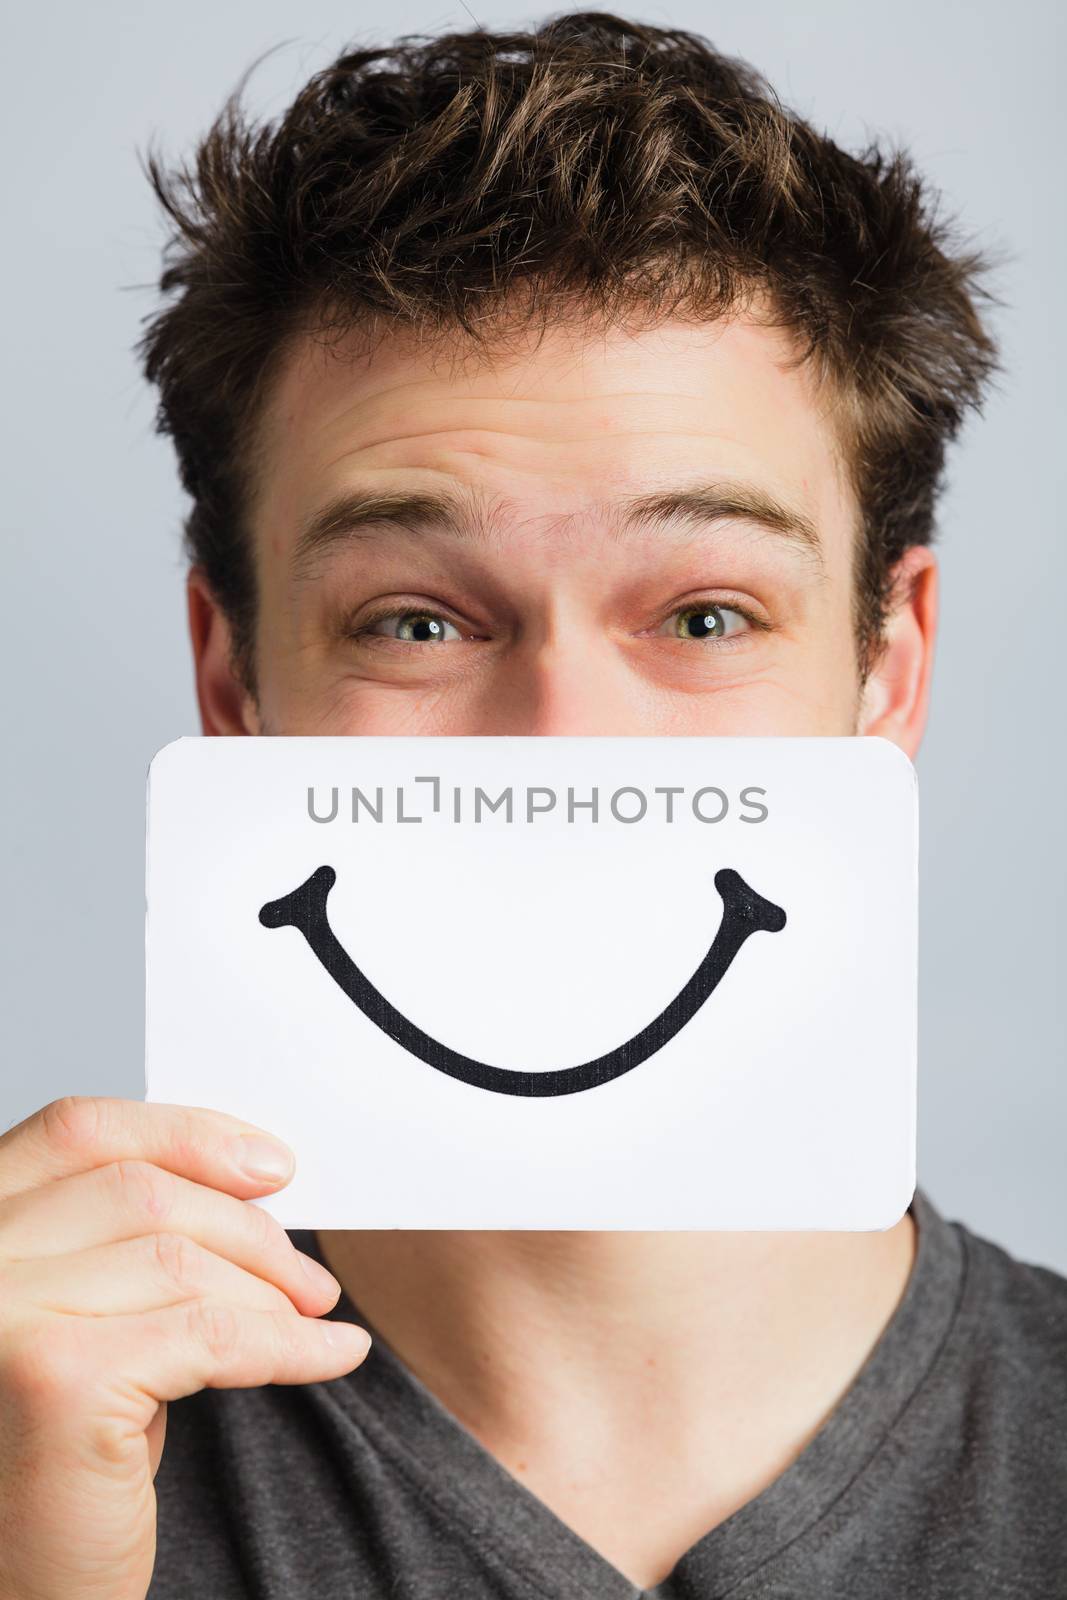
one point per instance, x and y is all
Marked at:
(529, 1336)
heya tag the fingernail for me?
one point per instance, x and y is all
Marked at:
(266, 1160)
(319, 1276)
(347, 1337)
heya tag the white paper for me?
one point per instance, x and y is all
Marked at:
(785, 1099)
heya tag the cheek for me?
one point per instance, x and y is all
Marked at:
(830, 693)
(806, 699)
(811, 687)
(792, 705)
(323, 704)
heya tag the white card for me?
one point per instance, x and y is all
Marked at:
(545, 982)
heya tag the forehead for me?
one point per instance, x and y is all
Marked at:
(554, 426)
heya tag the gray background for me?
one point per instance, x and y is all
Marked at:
(93, 651)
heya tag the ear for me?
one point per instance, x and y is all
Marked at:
(226, 707)
(896, 696)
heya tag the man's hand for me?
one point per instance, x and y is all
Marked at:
(131, 1273)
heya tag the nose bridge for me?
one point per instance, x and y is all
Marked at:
(563, 673)
(570, 680)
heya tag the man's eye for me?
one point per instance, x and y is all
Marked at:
(704, 621)
(417, 627)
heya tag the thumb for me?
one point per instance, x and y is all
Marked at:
(155, 1433)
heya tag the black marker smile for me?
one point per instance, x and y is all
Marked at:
(744, 912)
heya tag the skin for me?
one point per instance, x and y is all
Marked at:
(643, 1385)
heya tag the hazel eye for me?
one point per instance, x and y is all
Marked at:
(706, 621)
(415, 627)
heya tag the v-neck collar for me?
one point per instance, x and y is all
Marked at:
(484, 1502)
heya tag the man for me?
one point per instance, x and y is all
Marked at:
(534, 383)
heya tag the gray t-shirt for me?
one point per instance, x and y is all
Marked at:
(941, 1472)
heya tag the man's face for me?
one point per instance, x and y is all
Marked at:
(566, 585)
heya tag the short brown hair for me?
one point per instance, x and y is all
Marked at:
(631, 169)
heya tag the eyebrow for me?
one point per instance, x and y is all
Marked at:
(367, 514)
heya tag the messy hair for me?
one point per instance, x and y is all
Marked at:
(630, 172)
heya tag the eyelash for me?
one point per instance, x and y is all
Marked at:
(363, 635)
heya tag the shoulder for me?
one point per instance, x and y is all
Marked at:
(974, 1468)
(1019, 1308)
(1002, 1376)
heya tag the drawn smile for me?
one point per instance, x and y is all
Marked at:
(744, 912)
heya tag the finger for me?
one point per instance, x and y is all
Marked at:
(131, 1198)
(120, 1370)
(143, 1274)
(204, 1344)
(78, 1133)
